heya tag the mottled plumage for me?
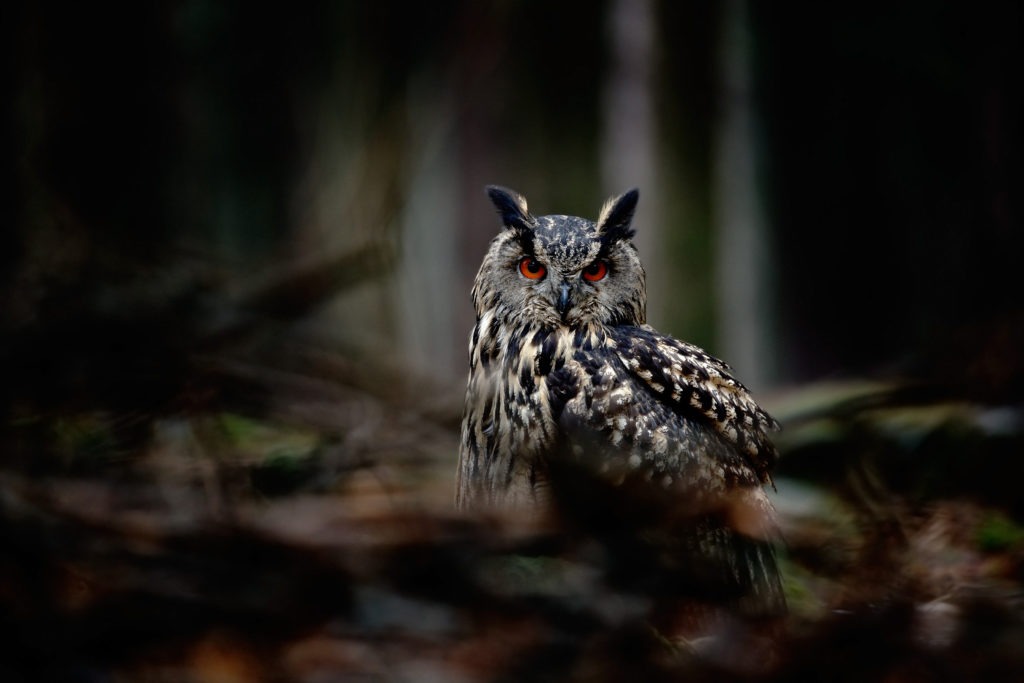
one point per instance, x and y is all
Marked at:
(567, 382)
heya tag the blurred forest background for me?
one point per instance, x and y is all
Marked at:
(235, 262)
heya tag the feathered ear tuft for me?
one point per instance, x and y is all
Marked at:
(511, 207)
(616, 218)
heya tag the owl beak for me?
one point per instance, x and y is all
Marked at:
(564, 302)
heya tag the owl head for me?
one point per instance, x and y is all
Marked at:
(562, 270)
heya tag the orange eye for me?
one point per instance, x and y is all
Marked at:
(532, 268)
(595, 271)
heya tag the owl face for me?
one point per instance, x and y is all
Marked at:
(563, 270)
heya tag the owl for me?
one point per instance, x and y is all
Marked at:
(575, 404)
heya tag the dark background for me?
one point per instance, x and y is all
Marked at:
(888, 153)
(237, 245)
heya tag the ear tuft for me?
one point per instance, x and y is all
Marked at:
(511, 207)
(614, 222)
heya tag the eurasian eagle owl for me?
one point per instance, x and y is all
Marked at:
(567, 384)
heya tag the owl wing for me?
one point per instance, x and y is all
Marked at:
(698, 385)
(639, 423)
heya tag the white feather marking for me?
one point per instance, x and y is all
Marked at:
(659, 443)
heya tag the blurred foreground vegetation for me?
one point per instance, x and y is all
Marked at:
(312, 538)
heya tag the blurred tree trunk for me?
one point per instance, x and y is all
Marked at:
(427, 276)
(628, 148)
(741, 246)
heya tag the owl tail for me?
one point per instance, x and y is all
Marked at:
(756, 571)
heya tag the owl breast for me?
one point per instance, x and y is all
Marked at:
(519, 384)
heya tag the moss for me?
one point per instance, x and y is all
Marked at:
(998, 533)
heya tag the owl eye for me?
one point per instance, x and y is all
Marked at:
(595, 271)
(531, 268)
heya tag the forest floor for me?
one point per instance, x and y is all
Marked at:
(311, 536)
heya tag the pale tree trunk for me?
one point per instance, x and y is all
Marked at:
(741, 246)
(628, 151)
(426, 275)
